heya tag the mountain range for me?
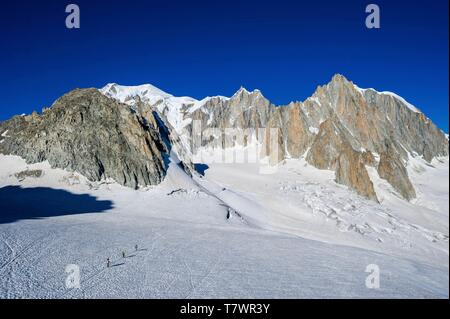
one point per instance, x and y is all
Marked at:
(130, 133)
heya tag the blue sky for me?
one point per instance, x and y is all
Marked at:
(200, 48)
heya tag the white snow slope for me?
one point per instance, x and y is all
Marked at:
(231, 234)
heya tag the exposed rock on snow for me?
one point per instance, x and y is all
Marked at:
(351, 171)
(87, 132)
(392, 169)
(28, 173)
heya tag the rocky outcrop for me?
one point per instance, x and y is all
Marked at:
(87, 132)
(296, 133)
(351, 171)
(331, 150)
(393, 170)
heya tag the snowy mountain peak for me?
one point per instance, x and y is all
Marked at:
(242, 90)
(127, 94)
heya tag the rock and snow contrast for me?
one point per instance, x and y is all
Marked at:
(361, 179)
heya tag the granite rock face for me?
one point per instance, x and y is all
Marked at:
(351, 171)
(92, 134)
(332, 150)
(340, 127)
(392, 169)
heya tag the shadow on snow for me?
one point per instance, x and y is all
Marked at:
(17, 203)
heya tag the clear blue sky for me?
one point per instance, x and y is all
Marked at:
(200, 48)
